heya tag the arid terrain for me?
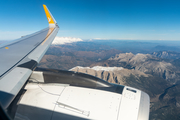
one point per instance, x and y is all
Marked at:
(155, 72)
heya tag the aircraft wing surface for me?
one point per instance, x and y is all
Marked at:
(20, 57)
(53, 94)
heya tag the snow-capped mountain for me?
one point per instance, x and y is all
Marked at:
(99, 68)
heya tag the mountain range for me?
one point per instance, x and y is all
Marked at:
(155, 72)
(167, 54)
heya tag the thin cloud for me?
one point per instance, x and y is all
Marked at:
(10, 35)
(63, 40)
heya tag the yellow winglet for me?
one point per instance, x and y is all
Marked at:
(50, 18)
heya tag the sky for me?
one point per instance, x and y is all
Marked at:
(93, 19)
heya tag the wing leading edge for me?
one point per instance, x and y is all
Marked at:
(21, 56)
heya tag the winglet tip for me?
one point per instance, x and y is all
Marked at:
(49, 16)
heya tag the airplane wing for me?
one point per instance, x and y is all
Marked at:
(20, 57)
(31, 93)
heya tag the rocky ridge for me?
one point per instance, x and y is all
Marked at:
(147, 63)
(167, 54)
(110, 74)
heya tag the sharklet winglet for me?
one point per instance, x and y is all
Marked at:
(50, 18)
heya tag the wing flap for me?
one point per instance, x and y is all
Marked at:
(11, 84)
